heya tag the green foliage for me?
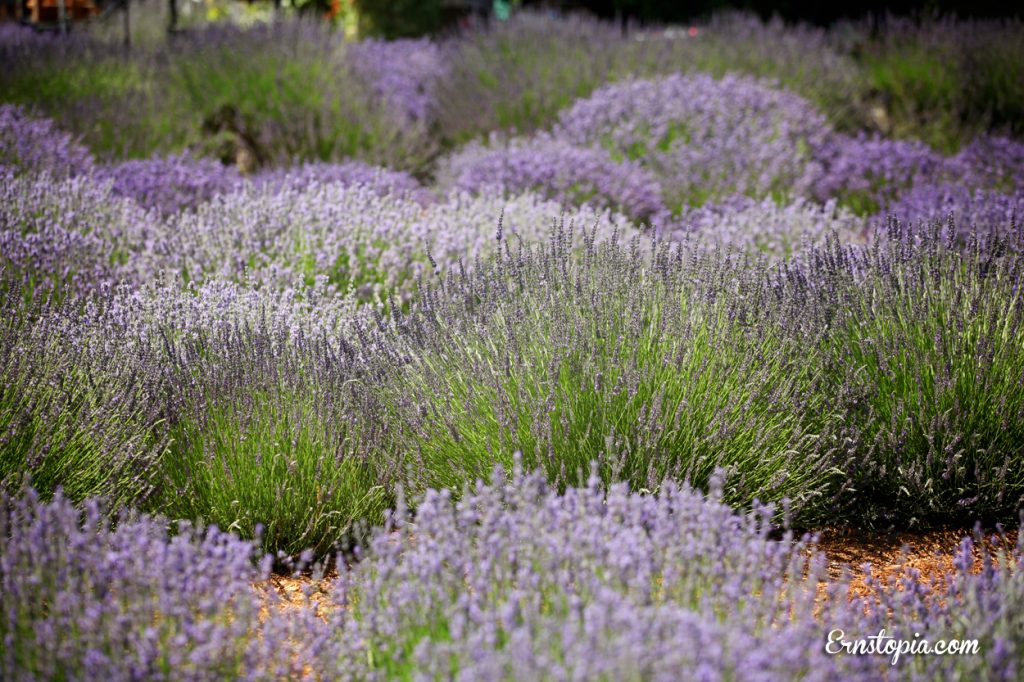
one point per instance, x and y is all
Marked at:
(927, 353)
(271, 461)
(393, 19)
(601, 359)
(72, 415)
(921, 88)
(518, 75)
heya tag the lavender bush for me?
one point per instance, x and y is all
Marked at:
(271, 423)
(766, 228)
(989, 213)
(866, 173)
(85, 599)
(382, 180)
(923, 350)
(704, 139)
(805, 59)
(351, 236)
(988, 162)
(517, 582)
(514, 581)
(656, 364)
(872, 382)
(172, 184)
(405, 73)
(35, 145)
(559, 170)
(79, 409)
(59, 237)
(516, 75)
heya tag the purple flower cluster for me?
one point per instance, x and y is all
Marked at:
(36, 145)
(867, 173)
(68, 235)
(703, 138)
(509, 581)
(559, 170)
(404, 73)
(351, 237)
(766, 228)
(83, 599)
(172, 184)
(514, 581)
(871, 174)
(987, 162)
(349, 173)
(986, 212)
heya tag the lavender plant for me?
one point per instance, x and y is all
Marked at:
(809, 60)
(354, 238)
(924, 350)
(35, 145)
(704, 139)
(560, 171)
(271, 421)
(514, 581)
(516, 75)
(988, 162)
(83, 598)
(661, 364)
(766, 228)
(172, 184)
(989, 213)
(79, 410)
(89, 88)
(867, 173)
(59, 237)
(382, 180)
(405, 73)
(945, 80)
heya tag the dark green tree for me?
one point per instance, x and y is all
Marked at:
(399, 18)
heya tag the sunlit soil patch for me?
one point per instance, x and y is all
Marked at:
(892, 554)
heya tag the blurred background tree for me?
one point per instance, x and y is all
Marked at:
(812, 11)
(399, 18)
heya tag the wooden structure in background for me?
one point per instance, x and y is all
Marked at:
(49, 11)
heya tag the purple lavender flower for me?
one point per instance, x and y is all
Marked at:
(703, 138)
(560, 171)
(85, 599)
(866, 173)
(352, 237)
(986, 212)
(170, 184)
(990, 163)
(350, 173)
(69, 233)
(404, 73)
(36, 145)
(765, 227)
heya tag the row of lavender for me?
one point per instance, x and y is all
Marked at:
(515, 581)
(732, 161)
(249, 385)
(298, 89)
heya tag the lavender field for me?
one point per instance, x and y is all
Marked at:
(546, 350)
